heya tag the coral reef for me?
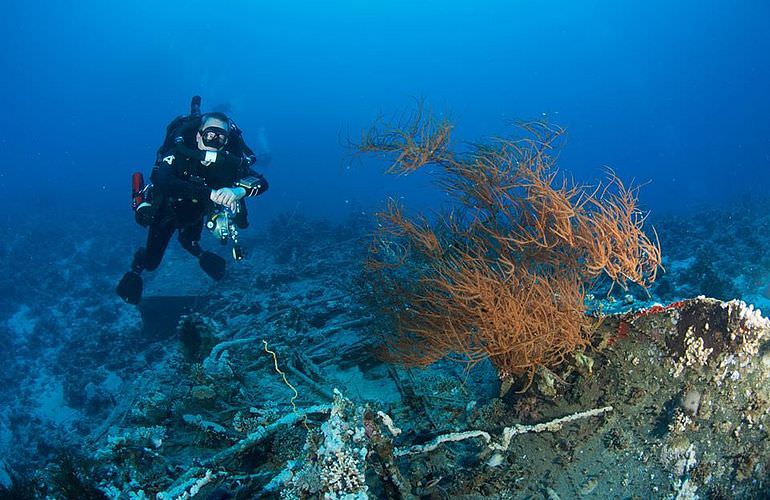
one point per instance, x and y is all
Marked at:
(334, 465)
(502, 275)
(199, 409)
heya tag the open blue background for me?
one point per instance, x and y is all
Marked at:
(675, 93)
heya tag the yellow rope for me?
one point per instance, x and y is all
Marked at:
(286, 381)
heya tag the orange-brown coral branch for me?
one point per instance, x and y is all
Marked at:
(504, 276)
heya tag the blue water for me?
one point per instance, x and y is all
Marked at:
(668, 92)
(670, 95)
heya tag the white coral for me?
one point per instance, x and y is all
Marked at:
(695, 353)
(336, 469)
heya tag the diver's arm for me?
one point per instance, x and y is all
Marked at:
(164, 176)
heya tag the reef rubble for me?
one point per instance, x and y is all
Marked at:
(271, 387)
(669, 401)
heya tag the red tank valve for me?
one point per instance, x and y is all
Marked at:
(137, 189)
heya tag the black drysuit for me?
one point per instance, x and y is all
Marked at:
(185, 186)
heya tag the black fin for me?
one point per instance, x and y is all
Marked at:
(130, 287)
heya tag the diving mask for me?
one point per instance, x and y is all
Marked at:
(214, 137)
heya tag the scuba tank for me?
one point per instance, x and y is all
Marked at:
(141, 193)
(137, 190)
(180, 129)
(141, 200)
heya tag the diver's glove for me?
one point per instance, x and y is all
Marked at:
(130, 287)
(213, 265)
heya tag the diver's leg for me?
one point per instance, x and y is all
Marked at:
(157, 241)
(190, 238)
(130, 286)
(211, 263)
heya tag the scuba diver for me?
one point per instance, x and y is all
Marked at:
(202, 171)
